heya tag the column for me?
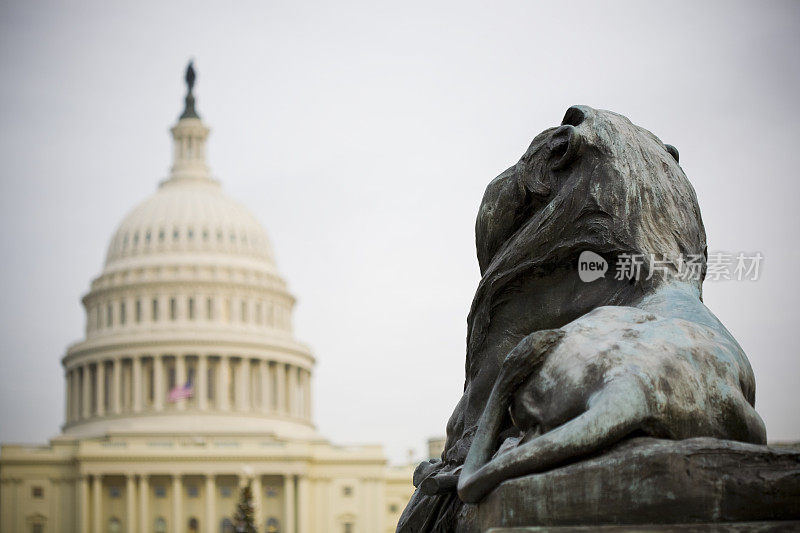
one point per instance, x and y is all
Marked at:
(258, 493)
(265, 389)
(291, 390)
(303, 377)
(380, 504)
(158, 385)
(242, 384)
(223, 383)
(177, 504)
(76, 394)
(70, 396)
(116, 386)
(202, 382)
(144, 500)
(55, 500)
(288, 503)
(137, 384)
(272, 378)
(100, 389)
(19, 498)
(299, 395)
(97, 503)
(83, 502)
(180, 378)
(303, 505)
(211, 495)
(86, 386)
(68, 399)
(325, 504)
(280, 380)
(130, 505)
(309, 398)
(8, 504)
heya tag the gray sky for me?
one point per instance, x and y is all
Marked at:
(362, 137)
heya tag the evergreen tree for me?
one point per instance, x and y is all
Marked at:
(244, 519)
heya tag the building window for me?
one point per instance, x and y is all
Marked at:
(272, 525)
(205, 235)
(244, 311)
(37, 528)
(147, 237)
(192, 491)
(114, 492)
(272, 492)
(37, 492)
(138, 310)
(347, 490)
(226, 491)
(122, 313)
(194, 525)
(175, 234)
(348, 527)
(114, 525)
(394, 508)
(155, 309)
(109, 315)
(226, 526)
(210, 383)
(173, 309)
(190, 305)
(98, 317)
(210, 309)
(160, 526)
(161, 235)
(160, 492)
(190, 234)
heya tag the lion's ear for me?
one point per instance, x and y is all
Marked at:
(673, 152)
(565, 146)
(575, 115)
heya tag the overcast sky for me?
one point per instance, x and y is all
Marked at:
(362, 136)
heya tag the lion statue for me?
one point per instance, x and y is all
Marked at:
(558, 368)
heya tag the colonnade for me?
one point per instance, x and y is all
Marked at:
(113, 386)
(141, 490)
(105, 314)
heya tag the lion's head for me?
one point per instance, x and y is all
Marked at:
(597, 179)
(597, 182)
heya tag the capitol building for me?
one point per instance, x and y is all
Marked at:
(190, 384)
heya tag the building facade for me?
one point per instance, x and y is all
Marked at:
(189, 384)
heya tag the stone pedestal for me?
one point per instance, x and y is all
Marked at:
(648, 481)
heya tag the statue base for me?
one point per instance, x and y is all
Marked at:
(718, 527)
(701, 482)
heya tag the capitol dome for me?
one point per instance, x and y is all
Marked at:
(189, 218)
(189, 323)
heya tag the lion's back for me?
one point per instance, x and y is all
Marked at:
(688, 370)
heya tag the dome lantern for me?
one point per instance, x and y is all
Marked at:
(189, 137)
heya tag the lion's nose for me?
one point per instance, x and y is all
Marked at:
(575, 115)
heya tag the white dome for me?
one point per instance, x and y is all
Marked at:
(189, 325)
(185, 217)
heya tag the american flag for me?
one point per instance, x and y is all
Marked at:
(181, 392)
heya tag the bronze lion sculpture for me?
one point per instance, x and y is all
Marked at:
(558, 368)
